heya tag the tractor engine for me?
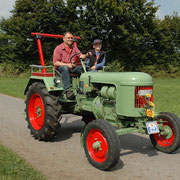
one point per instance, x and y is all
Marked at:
(117, 94)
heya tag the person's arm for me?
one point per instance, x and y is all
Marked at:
(102, 63)
(58, 63)
(87, 55)
(87, 62)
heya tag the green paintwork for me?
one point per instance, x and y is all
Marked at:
(97, 145)
(124, 83)
(167, 132)
(118, 78)
(48, 81)
(38, 111)
(114, 101)
(126, 131)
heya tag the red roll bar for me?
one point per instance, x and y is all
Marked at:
(38, 39)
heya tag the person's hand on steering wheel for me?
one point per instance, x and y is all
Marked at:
(83, 56)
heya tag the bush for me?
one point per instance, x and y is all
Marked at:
(161, 70)
(14, 68)
(115, 66)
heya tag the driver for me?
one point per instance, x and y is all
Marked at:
(61, 61)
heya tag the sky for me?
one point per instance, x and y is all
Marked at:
(167, 7)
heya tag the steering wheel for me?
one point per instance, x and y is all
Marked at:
(79, 63)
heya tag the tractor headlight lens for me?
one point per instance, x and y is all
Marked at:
(57, 80)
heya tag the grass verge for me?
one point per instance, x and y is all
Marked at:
(13, 86)
(167, 95)
(13, 167)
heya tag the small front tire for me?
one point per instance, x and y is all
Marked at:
(170, 142)
(101, 144)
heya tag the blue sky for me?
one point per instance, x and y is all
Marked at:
(167, 7)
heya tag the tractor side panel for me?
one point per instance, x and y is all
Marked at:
(125, 102)
(48, 81)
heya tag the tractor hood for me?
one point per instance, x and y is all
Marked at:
(125, 83)
(118, 78)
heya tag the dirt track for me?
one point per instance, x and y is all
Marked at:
(65, 159)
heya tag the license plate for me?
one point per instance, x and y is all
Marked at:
(152, 127)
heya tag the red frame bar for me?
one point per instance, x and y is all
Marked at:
(41, 54)
(40, 46)
(51, 35)
(44, 74)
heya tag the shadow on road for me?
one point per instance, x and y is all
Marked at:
(133, 143)
(130, 143)
(69, 127)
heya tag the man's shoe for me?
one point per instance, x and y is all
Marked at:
(70, 95)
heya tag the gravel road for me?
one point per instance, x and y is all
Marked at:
(64, 159)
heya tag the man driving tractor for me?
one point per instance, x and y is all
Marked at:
(63, 63)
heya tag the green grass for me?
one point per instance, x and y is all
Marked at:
(13, 86)
(167, 95)
(13, 167)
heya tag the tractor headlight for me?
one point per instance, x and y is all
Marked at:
(57, 80)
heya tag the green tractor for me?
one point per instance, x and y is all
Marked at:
(110, 103)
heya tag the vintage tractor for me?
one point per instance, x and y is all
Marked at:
(110, 103)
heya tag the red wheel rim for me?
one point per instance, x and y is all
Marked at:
(100, 154)
(36, 111)
(161, 140)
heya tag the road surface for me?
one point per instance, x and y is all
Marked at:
(65, 159)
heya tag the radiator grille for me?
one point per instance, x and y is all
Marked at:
(140, 101)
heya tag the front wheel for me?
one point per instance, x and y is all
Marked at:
(101, 144)
(168, 140)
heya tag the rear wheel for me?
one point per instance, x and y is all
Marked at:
(168, 140)
(101, 144)
(42, 112)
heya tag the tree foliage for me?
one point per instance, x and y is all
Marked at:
(132, 35)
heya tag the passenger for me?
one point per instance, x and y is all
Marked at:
(97, 58)
(61, 61)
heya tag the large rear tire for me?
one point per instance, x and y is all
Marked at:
(42, 112)
(169, 140)
(101, 144)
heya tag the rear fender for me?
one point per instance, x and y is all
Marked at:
(48, 82)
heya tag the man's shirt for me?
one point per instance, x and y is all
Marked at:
(63, 54)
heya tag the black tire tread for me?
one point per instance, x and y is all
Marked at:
(52, 113)
(176, 124)
(113, 143)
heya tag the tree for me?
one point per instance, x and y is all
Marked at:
(32, 16)
(126, 27)
(166, 44)
(132, 35)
